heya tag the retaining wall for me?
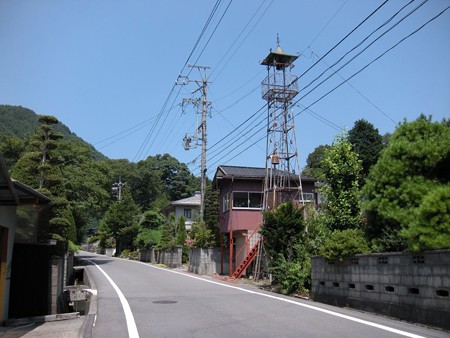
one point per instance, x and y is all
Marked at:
(413, 287)
(207, 261)
(172, 258)
(61, 268)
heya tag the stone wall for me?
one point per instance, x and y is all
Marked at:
(172, 258)
(409, 286)
(147, 256)
(207, 261)
(61, 269)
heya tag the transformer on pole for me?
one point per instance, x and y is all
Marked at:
(282, 178)
(199, 138)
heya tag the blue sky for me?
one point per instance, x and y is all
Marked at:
(107, 69)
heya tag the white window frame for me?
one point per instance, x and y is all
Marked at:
(308, 197)
(248, 200)
(226, 202)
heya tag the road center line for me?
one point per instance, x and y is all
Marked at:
(131, 324)
(312, 307)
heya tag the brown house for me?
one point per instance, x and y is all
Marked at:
(26, 267)
(241, 204)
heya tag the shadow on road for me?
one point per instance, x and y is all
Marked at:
(88, 260)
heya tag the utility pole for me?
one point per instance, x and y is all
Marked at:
(200, 136)
(117, 188)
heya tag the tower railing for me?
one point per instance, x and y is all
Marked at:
(279, 87)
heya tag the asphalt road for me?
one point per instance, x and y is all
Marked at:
(142, 300)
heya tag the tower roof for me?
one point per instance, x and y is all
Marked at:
(278, 58)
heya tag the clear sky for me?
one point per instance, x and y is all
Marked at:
(107, 69)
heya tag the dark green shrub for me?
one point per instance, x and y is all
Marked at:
(344, 243)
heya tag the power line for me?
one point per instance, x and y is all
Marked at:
(345, 37)
(326, 25)
(152, 129)
(376, 59)
(163, 140)
(359, 53)
(360, 93)
(307, 108)
(243, 40)
(365, 39)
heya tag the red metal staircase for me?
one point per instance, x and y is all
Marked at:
(247, 260)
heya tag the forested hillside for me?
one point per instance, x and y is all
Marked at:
(44, 154)
(22, 122)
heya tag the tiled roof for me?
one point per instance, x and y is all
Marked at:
(193, 200)
(245, 172)
(242, 171)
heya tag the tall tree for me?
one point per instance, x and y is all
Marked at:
(212, 208)
(177, 180)
(314, 160)
(149, 234)
(341, 174)
(12, 148)
(121, 219)
(87, 184)
(410, 174)
(147, 185)
(40, 169)
(367, 143)
(168, 240)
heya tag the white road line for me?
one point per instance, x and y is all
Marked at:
(332, 313)
(131, 324)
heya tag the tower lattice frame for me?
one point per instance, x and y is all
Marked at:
(282, 178)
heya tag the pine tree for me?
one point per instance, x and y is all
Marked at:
(367, 143)
(168, 240)
(406, 186)
(181, 231)
(39, 168)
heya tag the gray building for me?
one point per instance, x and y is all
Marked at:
(189, 208)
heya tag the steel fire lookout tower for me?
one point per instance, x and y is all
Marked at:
(282, 180)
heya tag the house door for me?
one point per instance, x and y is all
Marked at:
(29, 294)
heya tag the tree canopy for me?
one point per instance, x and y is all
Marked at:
(411, 174)
(39, 168)
(314, 162)
(341, 175)
(42, 152)
(367, 143)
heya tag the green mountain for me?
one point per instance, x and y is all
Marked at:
(20, 122)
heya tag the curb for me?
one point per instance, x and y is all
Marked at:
(90, 318)
(42, 319)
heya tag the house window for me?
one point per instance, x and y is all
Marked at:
(308, 197)
(226, 202)
(188, 213)
(249, 200)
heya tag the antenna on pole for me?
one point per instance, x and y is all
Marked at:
(199, 137)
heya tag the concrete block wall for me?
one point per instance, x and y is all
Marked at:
(61, 269)
(147, 256)
(409, 286)
(207, 261)
(172, 258)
